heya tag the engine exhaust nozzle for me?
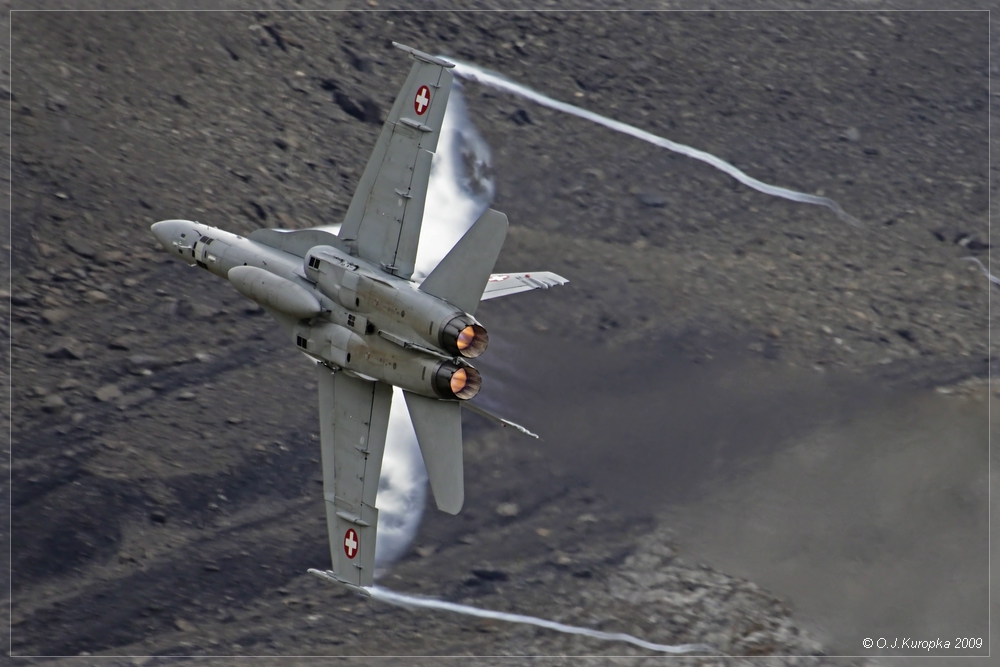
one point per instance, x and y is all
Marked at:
(465, 338)
(454, 381)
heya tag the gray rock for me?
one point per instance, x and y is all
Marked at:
(652, 199)
(105, 257)
(53, 403)
(80, 246)
(521, 117)
(108, 392)
(96, 296)
(508, 509)
(55, 315)
(56, 103)
(490, 574)
(66, 348)
(203, 310)
(120, 343)
(168, 308)
(135, 398)
(139, 362)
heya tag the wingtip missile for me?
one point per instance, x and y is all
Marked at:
(426, 57)
(327, 575)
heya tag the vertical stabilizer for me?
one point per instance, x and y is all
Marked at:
(461, 276)
(438, 425)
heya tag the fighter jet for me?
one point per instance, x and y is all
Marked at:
(348, 302)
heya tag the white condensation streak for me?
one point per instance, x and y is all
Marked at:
(455, 198)
(460, 187)
(986, 272)
(402, 488)
(494, 80)
(403, 600)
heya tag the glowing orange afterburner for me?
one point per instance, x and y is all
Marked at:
(458, 380)
(464, 337)
(452, 381)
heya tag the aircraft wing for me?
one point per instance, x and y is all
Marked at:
(354, 418)
(383, 221)
(502, 284)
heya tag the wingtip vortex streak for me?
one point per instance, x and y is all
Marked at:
(494, 80)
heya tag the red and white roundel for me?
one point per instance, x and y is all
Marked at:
(351, 543)
(422, 100)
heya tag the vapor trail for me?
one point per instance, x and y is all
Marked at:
(461, 185)
(986, 272)
(494, 80)
(459, 190)
(404, 600)
(402, 487)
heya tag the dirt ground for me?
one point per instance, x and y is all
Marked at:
(165, 498)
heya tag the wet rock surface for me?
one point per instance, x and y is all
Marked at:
(165, 482)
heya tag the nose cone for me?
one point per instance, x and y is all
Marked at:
(178, 237)
(173, 234)
(166, 231)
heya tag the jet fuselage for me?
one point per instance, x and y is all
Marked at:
(343, 311)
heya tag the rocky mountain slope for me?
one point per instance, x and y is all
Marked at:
(165, 496)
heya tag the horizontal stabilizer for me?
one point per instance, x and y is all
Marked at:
(438, 425)
(502, 284)
(462, 275)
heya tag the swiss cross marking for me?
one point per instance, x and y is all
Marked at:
(422, 100)
(351, 543)
(498, 277)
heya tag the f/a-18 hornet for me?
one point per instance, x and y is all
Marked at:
(348, 302)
